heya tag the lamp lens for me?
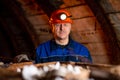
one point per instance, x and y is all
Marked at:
(63, 16)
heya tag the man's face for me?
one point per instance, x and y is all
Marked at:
(61, 30)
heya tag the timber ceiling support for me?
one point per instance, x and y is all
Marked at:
(108, 29)
(5, 35)
(26, 25)
(49, 6)
(19, 27)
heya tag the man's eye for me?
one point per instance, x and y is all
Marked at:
(57, 24)
(65, 24)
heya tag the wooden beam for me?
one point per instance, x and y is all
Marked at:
(22, 32)
(108, 30)
(26, 25)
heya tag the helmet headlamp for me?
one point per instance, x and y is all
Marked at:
(63, 16)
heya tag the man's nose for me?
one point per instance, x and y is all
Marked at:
(61, 27)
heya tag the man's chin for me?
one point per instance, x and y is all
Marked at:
(61, 38)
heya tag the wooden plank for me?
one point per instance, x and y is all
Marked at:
(39, 19)
(30, 7)
(85, 24)
(115, 4)
(89, 36)
(114, 19)
(117, 31)
(69, 3)
(82, 11)
(106, 6)
(101, 59)
(98, 49)
(42, 29)
(107, 28)
(44, 37)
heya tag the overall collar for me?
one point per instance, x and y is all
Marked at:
(54, 45)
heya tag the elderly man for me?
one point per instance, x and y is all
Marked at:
(62, 48)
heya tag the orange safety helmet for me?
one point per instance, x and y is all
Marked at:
(60, 16)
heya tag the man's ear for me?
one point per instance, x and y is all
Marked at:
(52, 28)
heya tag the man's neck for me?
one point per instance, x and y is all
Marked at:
(62, 41)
